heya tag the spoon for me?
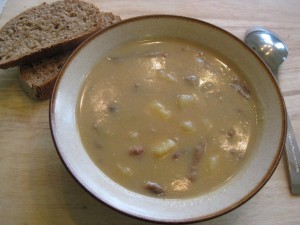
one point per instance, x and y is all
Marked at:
(274, 52)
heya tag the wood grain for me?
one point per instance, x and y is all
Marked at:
(35, 187)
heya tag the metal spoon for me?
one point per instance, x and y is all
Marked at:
(274, 52)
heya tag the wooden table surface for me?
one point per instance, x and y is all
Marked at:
(35, 187)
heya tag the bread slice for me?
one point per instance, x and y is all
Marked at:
(49, 29)
(38, 78)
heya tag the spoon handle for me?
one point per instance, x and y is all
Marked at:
(293, 157)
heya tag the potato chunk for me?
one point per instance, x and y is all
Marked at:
(166, 76)
(213, 162)
(159, 110)
(125, 170)
(184, 101)
(192, 80)
(187, 126)
(164, 148)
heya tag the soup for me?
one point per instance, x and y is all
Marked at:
(167, 118)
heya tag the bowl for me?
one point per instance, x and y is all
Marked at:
(244, 185)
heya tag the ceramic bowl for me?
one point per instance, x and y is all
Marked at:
(245, 184)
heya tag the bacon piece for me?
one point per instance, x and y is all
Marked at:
(136, 150)
(241, 88)
(178, 154)
(197, 155)
(154, 188)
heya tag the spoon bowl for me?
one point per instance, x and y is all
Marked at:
(268, 46)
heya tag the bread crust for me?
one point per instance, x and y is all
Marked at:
(47, 52)
(42, 92)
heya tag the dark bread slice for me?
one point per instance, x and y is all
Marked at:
(49, 29)
(38, 78)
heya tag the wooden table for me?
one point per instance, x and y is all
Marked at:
(35, 187)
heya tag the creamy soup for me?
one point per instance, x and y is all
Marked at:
(167, 118)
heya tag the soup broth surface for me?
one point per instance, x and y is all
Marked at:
(167, 118)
